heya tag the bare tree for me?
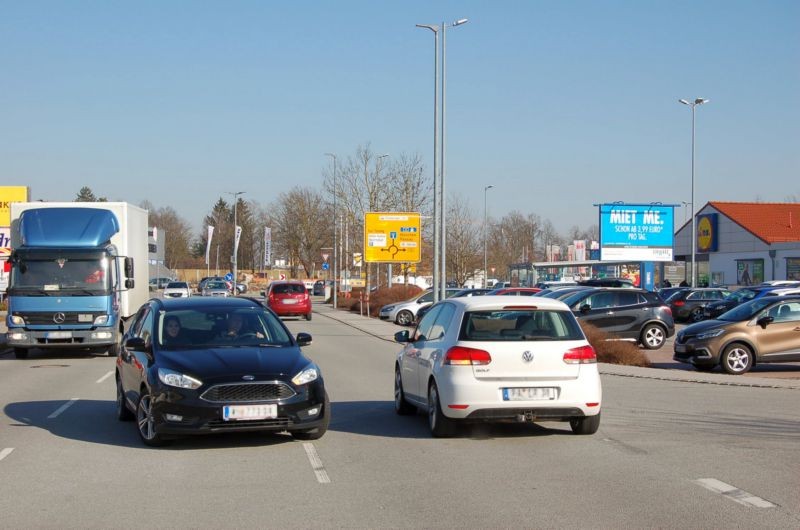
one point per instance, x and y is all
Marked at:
(177, 234)
(464, 242)
(514, 239)
(298, 217)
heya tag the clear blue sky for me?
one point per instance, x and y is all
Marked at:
(559, 105)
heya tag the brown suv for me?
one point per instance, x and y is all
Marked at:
(764, 330)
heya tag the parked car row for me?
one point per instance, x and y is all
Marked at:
(628, 313)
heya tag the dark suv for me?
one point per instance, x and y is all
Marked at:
(689, 304)
(631, 314)
(608, 282)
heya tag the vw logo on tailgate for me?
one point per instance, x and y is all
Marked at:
(527, 356)
(59, 318)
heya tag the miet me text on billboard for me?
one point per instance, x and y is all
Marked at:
(636, 232)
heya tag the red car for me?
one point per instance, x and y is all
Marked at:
(289, 299)
(515, 291)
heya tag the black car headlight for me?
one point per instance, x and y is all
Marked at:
(177, 379)
(309, 374)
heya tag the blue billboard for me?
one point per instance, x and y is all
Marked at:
(636, 232)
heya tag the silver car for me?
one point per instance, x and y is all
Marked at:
(177, 290)
(215, 288)
(405, 313)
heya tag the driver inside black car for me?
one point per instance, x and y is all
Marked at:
(236, 328)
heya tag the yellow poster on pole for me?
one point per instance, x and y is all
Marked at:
(9, 194)
(392, 237)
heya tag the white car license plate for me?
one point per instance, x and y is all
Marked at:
(529, 394)
(249, 412)
(59, 335)
(290, 301)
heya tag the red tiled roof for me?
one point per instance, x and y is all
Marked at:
(770, 222)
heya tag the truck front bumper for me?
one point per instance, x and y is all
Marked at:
(70, 338)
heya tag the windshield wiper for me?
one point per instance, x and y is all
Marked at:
(29, 291)
(86, 292)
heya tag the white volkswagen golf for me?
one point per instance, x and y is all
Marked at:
(488, 358)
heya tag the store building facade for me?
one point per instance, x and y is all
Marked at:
(742, 243)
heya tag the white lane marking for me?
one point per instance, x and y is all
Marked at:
(109, 374)
(316, 464)
(5, 452)
(734, 493)
(62, 408)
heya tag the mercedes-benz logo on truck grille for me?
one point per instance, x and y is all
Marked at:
(59, 318)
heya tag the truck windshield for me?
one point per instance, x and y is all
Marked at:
(61, 276)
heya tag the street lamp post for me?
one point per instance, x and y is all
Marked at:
(693, 104)
(485, 220)
(439, 226)
(436, 233)
(235, 246)
(335, 241)
(378, 165)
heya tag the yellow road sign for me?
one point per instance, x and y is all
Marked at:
(392, 237)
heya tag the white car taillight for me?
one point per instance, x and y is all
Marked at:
(581, 355)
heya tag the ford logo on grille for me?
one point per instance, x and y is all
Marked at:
(527, 356)
(59, 318)
(248, 377)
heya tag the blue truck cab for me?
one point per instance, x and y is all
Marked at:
(71, 283)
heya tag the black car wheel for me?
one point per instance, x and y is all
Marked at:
(736, 359)
(585, 425)
(653, 337)
(697, 314)
(123, 412)
(317, 432)
(146, 423)
(404, 318)
(401, 406)
(308, 317)
(441, 426)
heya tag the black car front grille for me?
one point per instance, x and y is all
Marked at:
(248, 392)
(222, 425)
(54, 317)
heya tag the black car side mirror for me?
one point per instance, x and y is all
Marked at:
(303, 339)
(764, 321)
(138, 344)
(402, 336)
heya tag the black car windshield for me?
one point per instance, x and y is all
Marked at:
(215, 327)
(520, 325)
(747, 310)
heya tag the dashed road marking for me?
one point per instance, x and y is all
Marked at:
(734, 493)
(316, 464)
(62, 408)
(109, 374)
(5, 452)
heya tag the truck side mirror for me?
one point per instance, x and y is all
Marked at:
(129, 283)
(129, 268)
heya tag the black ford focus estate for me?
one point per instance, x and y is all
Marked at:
(205, 365)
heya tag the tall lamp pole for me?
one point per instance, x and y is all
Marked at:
(439, 226)
(485, 220)
(693, 104)
(378, 166)
(235, 246)
(335, 241)
(436, 207)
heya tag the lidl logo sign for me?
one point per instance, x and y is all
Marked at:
(707, 233)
